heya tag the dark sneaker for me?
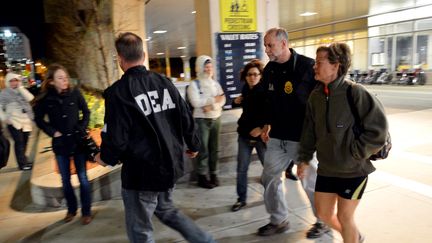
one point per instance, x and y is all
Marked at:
(271, 229)
(237, 206)
(317, 230)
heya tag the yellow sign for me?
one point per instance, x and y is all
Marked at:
(238, 15)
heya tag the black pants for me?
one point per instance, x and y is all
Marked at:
(20, 144)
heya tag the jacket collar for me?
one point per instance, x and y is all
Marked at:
(136, 69)
(53, 93)
(336, 83)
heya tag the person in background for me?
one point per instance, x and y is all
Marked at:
(250, 125)
(344, 163)
(17, 113)
(207, 98)
(288, 78)
(62, 104)
(146, 125)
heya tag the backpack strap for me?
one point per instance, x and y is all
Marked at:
(354, 111)
(198, 85)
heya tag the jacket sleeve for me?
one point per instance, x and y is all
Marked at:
(115, 131)
(3, 115)
(217, 105)
(308, 139)
(25, 93)
(40, 112)
(374, 123)
(190, 130)
(82, 105)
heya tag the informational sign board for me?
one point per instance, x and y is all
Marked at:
(235, 50)
(238, 15)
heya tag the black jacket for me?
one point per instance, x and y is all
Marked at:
(288, 87)
(146, 125)
(254, 110)
(63, 116)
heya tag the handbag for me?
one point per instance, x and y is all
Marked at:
(358, 129)
(4, 149)
(89, 146)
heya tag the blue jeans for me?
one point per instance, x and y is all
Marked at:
(207, 159)
(63, 162)
(20, 144)
(140, 207)
(245, 147)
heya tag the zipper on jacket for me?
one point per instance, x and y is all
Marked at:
(326, 92)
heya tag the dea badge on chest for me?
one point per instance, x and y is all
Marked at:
(288, 87)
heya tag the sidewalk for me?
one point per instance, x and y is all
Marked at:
(396, 206)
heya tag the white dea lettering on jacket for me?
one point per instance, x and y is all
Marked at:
(150, 102)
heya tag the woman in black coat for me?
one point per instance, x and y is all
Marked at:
(250, 125)
(62, 104)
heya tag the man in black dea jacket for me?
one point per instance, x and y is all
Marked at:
(289, 79)
(146, 125)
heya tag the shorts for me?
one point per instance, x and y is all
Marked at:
(348, 188)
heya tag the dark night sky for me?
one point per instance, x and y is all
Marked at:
(28, 16)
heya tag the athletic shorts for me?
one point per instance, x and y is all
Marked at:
(348, 188)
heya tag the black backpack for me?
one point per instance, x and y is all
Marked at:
(196, 81)
(358, 129)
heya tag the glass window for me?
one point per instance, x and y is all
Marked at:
(376, 50)
(403, 52)
(424, 24)
(422, 50)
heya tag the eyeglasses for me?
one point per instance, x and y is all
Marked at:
(253, 74)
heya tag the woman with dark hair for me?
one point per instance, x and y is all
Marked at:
(62, 104)
(250, 126)
(343, 157)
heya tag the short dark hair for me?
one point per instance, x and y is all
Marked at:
(255, 63)
(280, 33)
(129, 46)
(338, 53)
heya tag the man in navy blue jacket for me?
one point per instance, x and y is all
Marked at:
(146, 125)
